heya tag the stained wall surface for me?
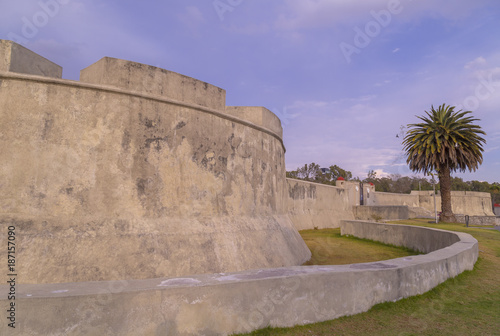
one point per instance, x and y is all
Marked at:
(470, 203)
(314, 205)
(384, 198)
(142, 177)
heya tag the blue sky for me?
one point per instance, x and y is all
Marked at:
(342, 75)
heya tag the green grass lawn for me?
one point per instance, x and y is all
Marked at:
(328, 247)
(468, 304)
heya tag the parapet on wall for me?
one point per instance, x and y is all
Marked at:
(16, 58)
(137, 172)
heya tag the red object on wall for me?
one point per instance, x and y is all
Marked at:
(340, 178)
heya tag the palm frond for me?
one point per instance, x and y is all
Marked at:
(444, 138)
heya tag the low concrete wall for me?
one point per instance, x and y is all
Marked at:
(221, 304)
(313, 205)
(381, 211)
(383, 198)
(418, 238)
(479, 220)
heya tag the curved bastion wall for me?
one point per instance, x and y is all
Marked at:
(136, 172)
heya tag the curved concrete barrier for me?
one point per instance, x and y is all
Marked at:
(226, 303)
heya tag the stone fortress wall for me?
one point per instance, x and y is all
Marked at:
(312, 205)
(139, 165)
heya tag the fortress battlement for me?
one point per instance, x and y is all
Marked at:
(142, 168)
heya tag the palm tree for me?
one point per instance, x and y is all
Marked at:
(446, 141)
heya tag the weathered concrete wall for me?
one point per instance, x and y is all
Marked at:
(113, 180)
(479, 220)
(16, 58)
(148, 79)
(308, 210)
(222, 304)
(415, 237)
(383, 198)
(381, 211)
(313, 205)
(257, 115)
(354, 192)
(463, 202)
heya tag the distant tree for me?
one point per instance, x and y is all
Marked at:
(445, 141)
(458, 184)
(309, 172)
(337, 172)
(420, 184)
(313, 172)
(292, 174)
(402, 184)
(372, 174)
(479, 186)
(383, 184)
(495, 188)
(324, 177)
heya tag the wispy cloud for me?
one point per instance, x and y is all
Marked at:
(192, 18)
(305, 14)
(475, 63)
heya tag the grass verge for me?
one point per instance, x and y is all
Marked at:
(328, 247)
(468, 304)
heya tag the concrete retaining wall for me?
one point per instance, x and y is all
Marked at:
(221, 304)
(381, 212)
(313, 205)
(418, 238)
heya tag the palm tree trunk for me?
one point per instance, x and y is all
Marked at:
(445, 182)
